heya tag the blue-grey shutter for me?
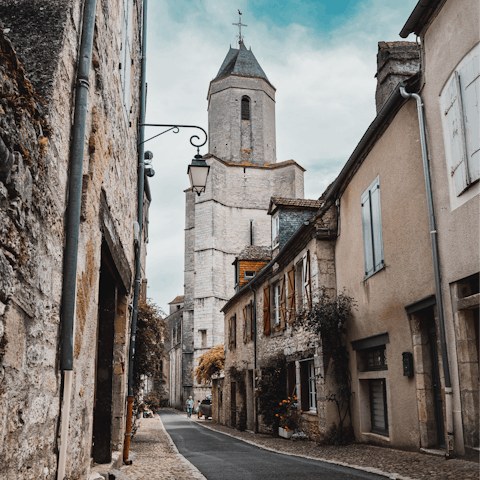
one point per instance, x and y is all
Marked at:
(453, 112)
(470, 86)
(376, 225)
(367, 232)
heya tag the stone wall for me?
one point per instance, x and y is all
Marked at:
(35, 125)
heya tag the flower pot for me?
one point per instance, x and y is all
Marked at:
(284, 433)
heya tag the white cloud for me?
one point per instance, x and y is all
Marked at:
(325, 100)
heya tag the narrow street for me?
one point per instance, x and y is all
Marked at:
(221, 457)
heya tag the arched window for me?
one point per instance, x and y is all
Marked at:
(245, 108)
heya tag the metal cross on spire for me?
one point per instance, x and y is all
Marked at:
(240, 25)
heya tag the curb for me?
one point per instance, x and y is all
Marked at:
(377, 471)
(195, 472)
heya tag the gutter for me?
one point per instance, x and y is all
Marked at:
(436, 270)
(69, 286)
(138, 253)
(255, 357)
(420, 15)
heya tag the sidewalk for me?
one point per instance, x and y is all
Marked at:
(155, 456)
(395, 464)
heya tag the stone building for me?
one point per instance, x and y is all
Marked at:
(230, 214)
(451, 94)
(39, 55)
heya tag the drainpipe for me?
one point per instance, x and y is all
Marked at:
(255, 372)
(436, 270)
(73, 223)
(138, 253)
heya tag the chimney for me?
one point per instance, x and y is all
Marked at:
(396, 61)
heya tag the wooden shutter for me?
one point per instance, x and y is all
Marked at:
(282, 303)
(266, 309)
(252, 322)
(470, 90)
(245, 331)
(456, 130)
(234, 331)
(291, 294)
(307, 285)
(376, 225)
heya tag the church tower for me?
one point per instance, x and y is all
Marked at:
(232, 212)
(241, 110)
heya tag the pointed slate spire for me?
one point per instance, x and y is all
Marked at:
(241, 62)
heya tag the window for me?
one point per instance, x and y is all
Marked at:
(376, 358)
(275, 231)
(308, 386)
(372, 229)
(203, 338)
(245, 108)
(277, 298)
(291, 294)
(459, 104)
(126, 54)
(249, 275)
(378, 406)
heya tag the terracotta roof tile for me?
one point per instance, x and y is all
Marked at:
(255, 253)
(178, 299)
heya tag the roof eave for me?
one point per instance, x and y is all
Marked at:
(419, 17)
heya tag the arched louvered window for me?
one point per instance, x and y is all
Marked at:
(245, 108)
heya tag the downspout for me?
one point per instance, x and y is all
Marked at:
(255, 372)
(436, 270)
(138, 253)
(73, 224)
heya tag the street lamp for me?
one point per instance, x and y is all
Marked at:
(198, 173)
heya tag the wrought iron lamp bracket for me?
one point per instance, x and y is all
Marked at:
(176, 129)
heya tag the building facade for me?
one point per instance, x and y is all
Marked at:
(39, 49)
(450, 87)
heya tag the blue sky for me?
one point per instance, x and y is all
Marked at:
(321, 57)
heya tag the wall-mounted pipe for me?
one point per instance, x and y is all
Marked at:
(138, 253)
(436, 270)
(255, 366)
(73, 223)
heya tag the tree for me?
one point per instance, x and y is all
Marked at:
(150, 346)
(211, 362)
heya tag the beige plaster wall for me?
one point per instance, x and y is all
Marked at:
(407, 277)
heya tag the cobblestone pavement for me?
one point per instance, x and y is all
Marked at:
(155, 457)
(395, 464)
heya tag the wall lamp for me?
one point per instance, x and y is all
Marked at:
(197, 171)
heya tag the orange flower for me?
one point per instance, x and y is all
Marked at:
(281, 416)
(280, 403)
(277, 415)
(301, 411)
(287, 429)
(289, 398)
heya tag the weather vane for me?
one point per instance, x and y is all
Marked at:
(240, 25)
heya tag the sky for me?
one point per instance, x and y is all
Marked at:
(319, 55)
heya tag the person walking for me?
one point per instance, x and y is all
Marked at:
(189, 404)
(198, 409)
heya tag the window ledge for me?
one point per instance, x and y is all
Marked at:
(377, 436)
(310, 414)
(373, 273)
(371, 375)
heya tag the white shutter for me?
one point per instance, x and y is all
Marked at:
(453, 113)
(470, 86)
(367, 232)
(376, 225)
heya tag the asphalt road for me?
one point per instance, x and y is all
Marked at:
(221, 457)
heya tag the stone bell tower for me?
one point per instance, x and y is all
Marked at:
(241, 111)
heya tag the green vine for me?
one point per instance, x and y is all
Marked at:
(326, 319)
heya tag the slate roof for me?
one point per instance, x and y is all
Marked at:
(255, 253)
(293, 202)
(178, 299)
(241, 62)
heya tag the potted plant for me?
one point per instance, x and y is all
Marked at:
(288, 417)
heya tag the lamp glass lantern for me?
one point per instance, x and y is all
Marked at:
(198, 173)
